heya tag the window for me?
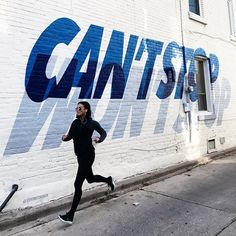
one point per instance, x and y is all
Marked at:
(201, 88)
(231, 18)
(196, 11)
(194, 6)
(205, 103)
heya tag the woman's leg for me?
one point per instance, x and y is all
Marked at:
(91, 178)
(83, 170)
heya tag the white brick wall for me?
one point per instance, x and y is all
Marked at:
(143, 134)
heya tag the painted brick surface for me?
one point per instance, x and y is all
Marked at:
(144, 134)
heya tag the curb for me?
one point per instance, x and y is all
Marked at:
(100, 194)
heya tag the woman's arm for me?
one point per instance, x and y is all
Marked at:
(70, 135)
(66, 137)
(101, 131)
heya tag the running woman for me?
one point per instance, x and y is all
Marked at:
(81, 131)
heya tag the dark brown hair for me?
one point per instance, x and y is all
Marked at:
(86, 106)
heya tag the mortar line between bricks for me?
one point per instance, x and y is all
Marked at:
(225, 227)
(184, 200)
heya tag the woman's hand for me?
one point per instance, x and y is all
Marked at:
(64, 137)
(96, 140)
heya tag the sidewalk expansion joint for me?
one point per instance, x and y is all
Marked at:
(20, 231)
(225, 227)
(184, 200)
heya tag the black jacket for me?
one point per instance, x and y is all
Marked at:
(81, 133)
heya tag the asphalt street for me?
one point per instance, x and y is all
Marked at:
(198, 202)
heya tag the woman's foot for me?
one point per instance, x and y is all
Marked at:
(111, 183)
(66, 218)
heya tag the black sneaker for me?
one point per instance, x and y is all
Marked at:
(66, 219)
(111, 183)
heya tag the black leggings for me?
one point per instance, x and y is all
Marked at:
(84, 172)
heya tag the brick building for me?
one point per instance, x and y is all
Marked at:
(159, 76)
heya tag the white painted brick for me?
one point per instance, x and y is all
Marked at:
(46, 174)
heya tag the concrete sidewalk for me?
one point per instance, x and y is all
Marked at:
(198, 202)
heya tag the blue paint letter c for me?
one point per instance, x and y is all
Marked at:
(38, 86)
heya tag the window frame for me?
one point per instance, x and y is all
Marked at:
(197, 17)
(232, 19)
(209, 113)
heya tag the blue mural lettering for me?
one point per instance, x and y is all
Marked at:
(153, 49)
(38, 86)
(129, 83)
(183, 70)
(91, 43)
(165, 89)
(134, 110)
(63, 30)
(113, 61)
(214, 67)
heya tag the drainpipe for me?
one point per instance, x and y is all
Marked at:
(14, 189)
(187, 88)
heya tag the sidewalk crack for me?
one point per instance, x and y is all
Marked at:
(185, 200)
(225, 227)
